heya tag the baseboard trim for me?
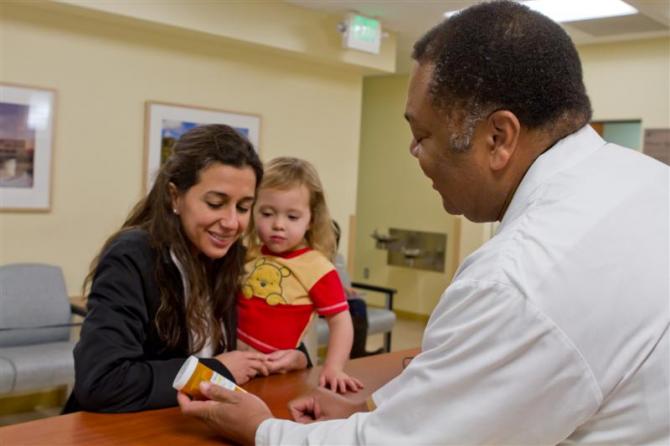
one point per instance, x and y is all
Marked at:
(28, 401)
(402, 314)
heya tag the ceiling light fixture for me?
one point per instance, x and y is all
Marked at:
(574, 10)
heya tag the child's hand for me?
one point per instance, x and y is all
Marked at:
(338, 381)
(282, 361)
(244, 365)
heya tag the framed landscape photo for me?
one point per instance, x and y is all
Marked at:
(26, 147)
(165, 123)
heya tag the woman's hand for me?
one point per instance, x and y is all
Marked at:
(244, 365)
(282, 361)
(338, 381)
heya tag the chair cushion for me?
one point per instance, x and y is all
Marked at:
(32, 295)
(7, 375)
(41, 366)
(380, 320)
(322, 330)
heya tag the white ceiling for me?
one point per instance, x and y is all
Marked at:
(409, 19)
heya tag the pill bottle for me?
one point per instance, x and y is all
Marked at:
(193, 372)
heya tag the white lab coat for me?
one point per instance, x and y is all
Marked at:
(556, 330)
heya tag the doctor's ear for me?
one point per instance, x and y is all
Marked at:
(504, 129)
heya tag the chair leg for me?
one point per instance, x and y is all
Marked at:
(387, 342)
(360, 336)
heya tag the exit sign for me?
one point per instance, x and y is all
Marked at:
(362, 33)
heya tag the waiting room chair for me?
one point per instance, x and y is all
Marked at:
(380, 320)
(35, 326)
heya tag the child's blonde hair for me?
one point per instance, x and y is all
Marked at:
(284, 173)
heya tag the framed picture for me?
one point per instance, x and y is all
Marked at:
(165, 123)
(26, 147)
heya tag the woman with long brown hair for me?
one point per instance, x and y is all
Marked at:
(163, 286)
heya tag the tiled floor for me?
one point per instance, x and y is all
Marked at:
(406, 334)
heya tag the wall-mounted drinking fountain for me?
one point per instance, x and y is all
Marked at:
(413, 249)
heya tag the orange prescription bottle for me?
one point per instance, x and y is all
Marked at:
(193, 372)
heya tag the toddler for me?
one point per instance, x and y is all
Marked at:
(288, 275)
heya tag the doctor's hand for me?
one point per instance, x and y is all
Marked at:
(235, 415)
(244, 365)
(323, 404)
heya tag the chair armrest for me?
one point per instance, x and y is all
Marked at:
(78, 310)
(40, 327)
(389, 292)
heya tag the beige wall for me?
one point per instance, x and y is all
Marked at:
(275, 24)
(105, 71)
(629, 80)
(392, 192)
(624, 80)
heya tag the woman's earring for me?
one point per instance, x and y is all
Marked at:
(174, 211)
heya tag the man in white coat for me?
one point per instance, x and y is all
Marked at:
(556, 330)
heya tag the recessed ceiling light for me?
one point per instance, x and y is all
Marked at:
(574, 10)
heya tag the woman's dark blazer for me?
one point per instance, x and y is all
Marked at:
(121, 364)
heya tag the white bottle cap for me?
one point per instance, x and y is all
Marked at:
(185, 372)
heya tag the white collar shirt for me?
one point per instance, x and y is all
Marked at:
(554, 331)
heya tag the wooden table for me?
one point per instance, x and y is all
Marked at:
(170, 427)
